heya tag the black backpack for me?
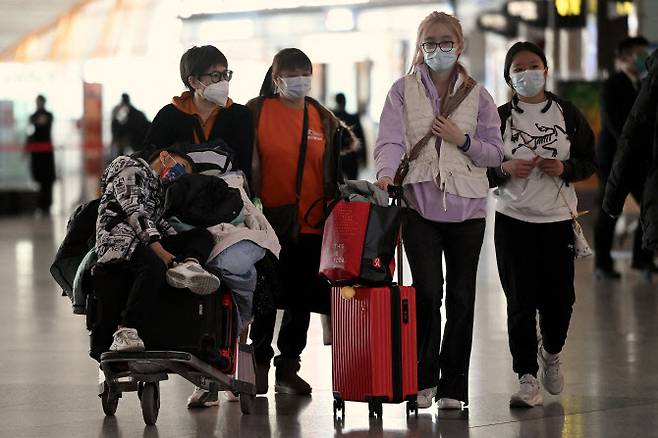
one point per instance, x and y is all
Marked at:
(80, 238)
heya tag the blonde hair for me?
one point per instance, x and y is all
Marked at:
(437, 17)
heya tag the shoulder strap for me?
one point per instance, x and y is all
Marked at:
(302, 156)
(201, 136)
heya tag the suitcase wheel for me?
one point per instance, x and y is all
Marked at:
(375, 409)
(150, 401)
(339, 405)
(246, 403)
(412, 408)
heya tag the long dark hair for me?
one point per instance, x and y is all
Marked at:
(286, 59)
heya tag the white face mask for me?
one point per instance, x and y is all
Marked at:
(528, 83)
(440, 61)
(216, 93)
(295, 87)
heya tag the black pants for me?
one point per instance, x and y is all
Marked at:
(146, 271)
(536, 268)
(302, 291)
(42, 166)
(425, 242)
(45, 197)
(604, 232)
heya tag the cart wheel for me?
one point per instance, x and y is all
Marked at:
(150, 402)
(246, 403)
(109, 401)
(371, 409)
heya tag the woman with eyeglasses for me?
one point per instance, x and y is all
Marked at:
(448, 127)
(205, 112)
(288, 122)
(549, 145)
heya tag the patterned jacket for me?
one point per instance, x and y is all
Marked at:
(131, 210)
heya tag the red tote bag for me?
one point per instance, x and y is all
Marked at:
(359, 242)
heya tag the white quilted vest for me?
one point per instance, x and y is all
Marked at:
(452, 170)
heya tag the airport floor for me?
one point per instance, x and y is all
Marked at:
(48, 383)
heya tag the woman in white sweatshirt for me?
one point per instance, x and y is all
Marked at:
(548, 146)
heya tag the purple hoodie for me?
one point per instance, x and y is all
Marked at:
(486, 150)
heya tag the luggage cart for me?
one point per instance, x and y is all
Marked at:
(142, 373)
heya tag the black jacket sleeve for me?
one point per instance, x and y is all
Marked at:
(633, 155)
(161, 132)
(582, 161)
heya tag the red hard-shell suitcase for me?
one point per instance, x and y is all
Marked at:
(374, 352)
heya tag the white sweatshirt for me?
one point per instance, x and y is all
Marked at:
(536, 198)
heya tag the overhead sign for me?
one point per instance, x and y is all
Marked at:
(498, 22)
(531, 12)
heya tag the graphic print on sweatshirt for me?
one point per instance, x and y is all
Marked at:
(546, 137)
(536, 131)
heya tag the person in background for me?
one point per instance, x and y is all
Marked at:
(446, 188)
(637, 158)
(205, 112)
(280, 113)
(129, 126)
(549, 145)
(42, 156)
(352, 161)
(617, 98)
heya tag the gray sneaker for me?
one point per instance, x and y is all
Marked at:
(201, 398)
(192, 276)
(529, 393)
(126, 340)
(549, 371)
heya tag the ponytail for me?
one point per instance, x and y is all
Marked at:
(267, 89)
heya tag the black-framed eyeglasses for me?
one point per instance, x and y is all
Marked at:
(431, 46)
(216, 76)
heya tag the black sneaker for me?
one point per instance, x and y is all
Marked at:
(287, 379)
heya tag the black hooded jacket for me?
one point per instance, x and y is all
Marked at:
(637, 158)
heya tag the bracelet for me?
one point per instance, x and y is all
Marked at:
(502, 170)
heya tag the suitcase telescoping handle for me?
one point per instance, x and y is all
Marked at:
(396, 193)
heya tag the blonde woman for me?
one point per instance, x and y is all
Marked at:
(446, 188)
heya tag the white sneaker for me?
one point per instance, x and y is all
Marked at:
(127, 340)
(528, 395)
(426, 397)
(449, 403)
(201, 398)
(192, 276)
(230, 397)
(549, 371)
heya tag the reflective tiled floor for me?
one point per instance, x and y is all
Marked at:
(48, 383)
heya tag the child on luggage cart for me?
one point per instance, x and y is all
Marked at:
(132, 234)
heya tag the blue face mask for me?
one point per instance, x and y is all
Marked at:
(170, 174)
(440, 61)
(528, 83)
